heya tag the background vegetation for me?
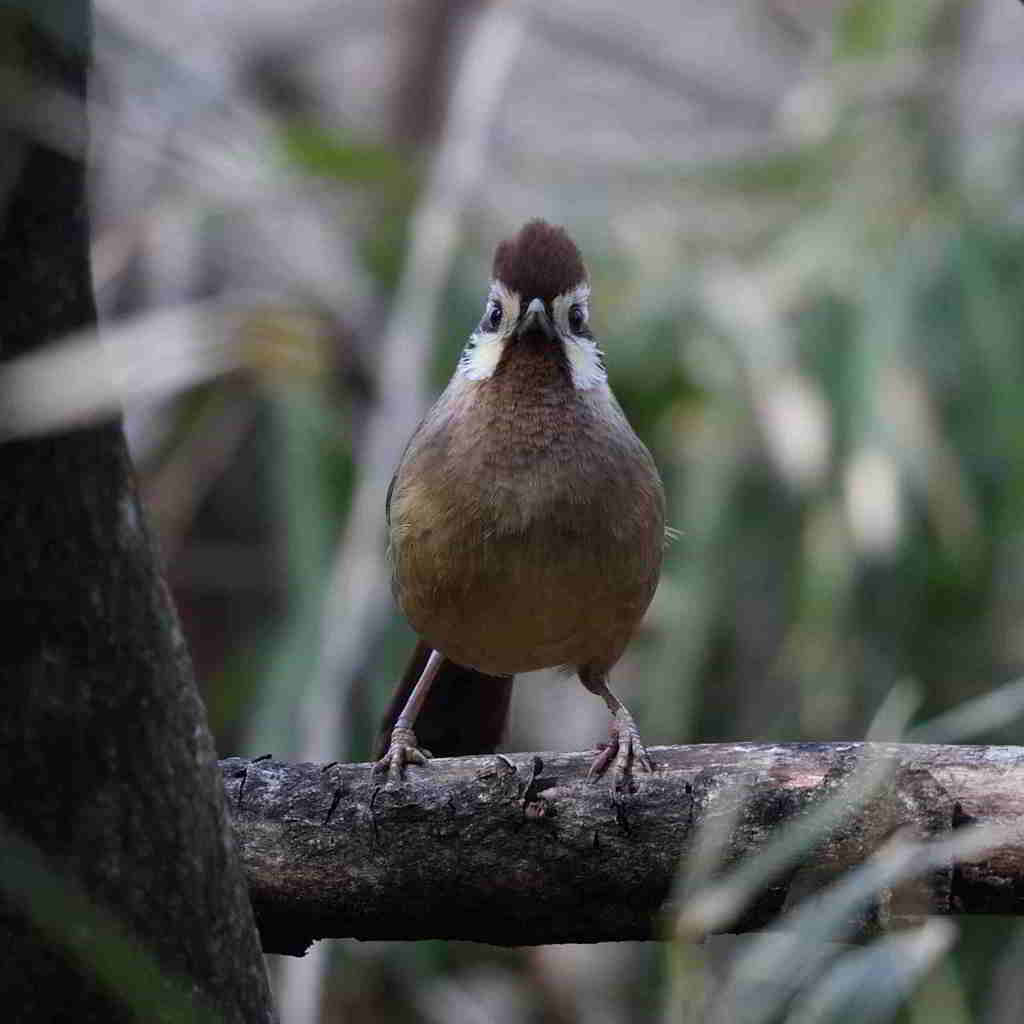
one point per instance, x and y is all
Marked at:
(803, 226)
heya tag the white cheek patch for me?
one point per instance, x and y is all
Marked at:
(585, 362)
(482, 354)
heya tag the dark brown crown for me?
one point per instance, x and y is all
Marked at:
(539, 263)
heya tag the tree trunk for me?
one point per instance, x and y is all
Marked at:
(522, 850)
(108, 787)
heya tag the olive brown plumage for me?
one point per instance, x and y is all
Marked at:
(526, 518)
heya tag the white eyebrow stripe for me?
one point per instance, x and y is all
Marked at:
(578, 296)
(581, 293)
(505, 295)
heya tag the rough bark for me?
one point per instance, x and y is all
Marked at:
(108, 785)
(522, 850)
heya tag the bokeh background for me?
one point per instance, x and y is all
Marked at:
(803, 223)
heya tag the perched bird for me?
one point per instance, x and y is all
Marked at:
(526, 519)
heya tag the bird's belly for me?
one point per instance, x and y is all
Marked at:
(512, 626)
(519, 605)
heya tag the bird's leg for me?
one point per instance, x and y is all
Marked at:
(403, 749)
(625, 748)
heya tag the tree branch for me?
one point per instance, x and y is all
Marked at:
(521, 850)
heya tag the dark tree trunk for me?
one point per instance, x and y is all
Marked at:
(108, 782)
(523, 850)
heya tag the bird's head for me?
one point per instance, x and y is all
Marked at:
(538, 302)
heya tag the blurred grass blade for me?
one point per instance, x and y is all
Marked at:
(89, 376)
(889, 724)
(779, 964)
(61, 909)
(711, 843)
(972, 718)
(868, 985)
(692, 986)
(711, 463)
(311, 506)
(1006, 989)
(942, 995)
(722, 901)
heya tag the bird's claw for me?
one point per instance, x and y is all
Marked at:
(624, 752)
(402, 751)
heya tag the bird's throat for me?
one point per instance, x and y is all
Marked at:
(531, 363)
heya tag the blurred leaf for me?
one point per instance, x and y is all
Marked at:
(317, 151)
(788, 173)
(872, 27)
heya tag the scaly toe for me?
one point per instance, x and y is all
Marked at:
(402, 751)
(600, 763)
(625, 753)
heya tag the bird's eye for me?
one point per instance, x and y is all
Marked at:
(576, 318)
(494, 316)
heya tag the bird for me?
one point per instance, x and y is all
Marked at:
(526, 521)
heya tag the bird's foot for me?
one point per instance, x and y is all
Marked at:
(402, 751)
(624, 752)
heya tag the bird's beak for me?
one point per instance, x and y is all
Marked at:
(536, 321)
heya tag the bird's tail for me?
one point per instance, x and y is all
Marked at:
(465, 711)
